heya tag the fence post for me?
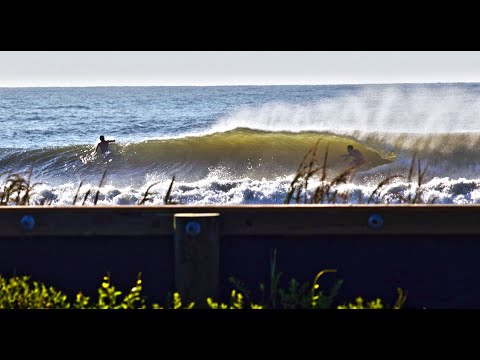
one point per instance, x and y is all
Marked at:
(197, 254)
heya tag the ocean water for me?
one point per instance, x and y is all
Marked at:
(229, 145)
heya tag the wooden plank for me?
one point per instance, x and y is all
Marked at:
(247, 220)
(197, 257)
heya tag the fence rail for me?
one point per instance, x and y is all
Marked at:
(243, 220)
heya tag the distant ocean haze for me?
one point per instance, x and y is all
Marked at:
(240, 144)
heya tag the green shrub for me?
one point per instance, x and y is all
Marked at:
(108, 297)
(22, 293)
(174, 302)
(236, 302)
(360, 303)
(294, 296)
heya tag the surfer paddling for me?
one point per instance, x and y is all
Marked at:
(358, 158)
(103, 144)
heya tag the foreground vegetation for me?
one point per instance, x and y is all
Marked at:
(328, 192)
(21, 292)
(17, 189)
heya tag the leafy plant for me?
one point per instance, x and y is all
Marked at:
(23, 293)
(295, 296)
(360, 303)
(320, 300)
(20, 292)
(174, 302)
(109, 297)
(236, 302)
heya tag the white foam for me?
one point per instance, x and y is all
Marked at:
(221, 191)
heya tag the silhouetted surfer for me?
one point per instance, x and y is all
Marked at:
(103, 144)
(358, 158)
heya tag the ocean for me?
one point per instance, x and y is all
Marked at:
(231, 145)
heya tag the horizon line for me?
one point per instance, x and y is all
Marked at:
(233, 85)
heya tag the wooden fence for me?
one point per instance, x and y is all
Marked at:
(431, 251)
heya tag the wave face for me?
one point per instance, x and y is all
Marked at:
(242, 145)
(241, 153)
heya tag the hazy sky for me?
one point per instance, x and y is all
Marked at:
(103, 68)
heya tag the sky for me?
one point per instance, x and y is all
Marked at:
(167, 68)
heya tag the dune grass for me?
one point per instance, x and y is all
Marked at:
(17, 188)
(327, 191)
(167, 200)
